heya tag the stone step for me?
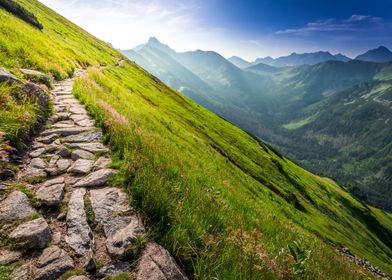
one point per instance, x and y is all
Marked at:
(79, 235)
(121, 227)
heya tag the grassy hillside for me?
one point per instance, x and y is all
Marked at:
(226, 205)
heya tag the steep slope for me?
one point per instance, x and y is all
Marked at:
(277, 103)
(225, 204)
(381, 54)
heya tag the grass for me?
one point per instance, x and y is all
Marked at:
(17, 115)
(224, 204)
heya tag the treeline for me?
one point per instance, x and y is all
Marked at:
(17, 10)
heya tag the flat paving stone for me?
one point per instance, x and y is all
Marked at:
(79, 235)
(96, 178)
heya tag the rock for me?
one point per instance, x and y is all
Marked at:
(37, 145)
(90, 147)
(79, 235)
(85, 137)
(114, 269)
(156, 263)
(81, 154)
(54, 181)
(22, 273)
(36, 76)
(48, 139)
(7, 256)
(96, 179)
(63, 165)
(78, 110)
(37, 152)
(85, 123)
(102, 162)
(81, 166)
(52, 263)
(38, 163)
(78, 277)
(63, 125)
(78, 118)
(108, 203)
(36, 233)
(37, 94)
(6, 174)
(64, 152)
(51, 195)
(32, 172)
(66, 131)
(6, 76)
(112, 211)
(122, 232)
(16, 206)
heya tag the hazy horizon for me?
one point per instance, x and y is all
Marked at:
(248, 29)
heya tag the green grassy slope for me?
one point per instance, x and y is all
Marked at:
(226, 205)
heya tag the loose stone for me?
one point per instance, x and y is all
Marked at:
(36, 233)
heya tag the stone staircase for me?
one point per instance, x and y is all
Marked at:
(68, 218)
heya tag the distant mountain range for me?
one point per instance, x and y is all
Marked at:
(332, 114)
(380, 54)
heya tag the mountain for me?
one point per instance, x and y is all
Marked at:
(212, 194)
(239, 62)
(261, 68)
(275, 106)
(295, 59)
(381, 54)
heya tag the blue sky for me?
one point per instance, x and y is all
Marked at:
(245, 28)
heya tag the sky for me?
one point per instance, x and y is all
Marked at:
(244, 28)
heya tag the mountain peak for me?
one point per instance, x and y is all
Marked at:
(380, 54)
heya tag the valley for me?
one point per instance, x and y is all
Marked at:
(329, 113)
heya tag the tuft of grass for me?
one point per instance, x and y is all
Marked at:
(89, 211)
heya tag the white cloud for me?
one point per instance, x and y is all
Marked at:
(353, 23)
(126, 23)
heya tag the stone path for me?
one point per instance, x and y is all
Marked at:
(68, 216)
